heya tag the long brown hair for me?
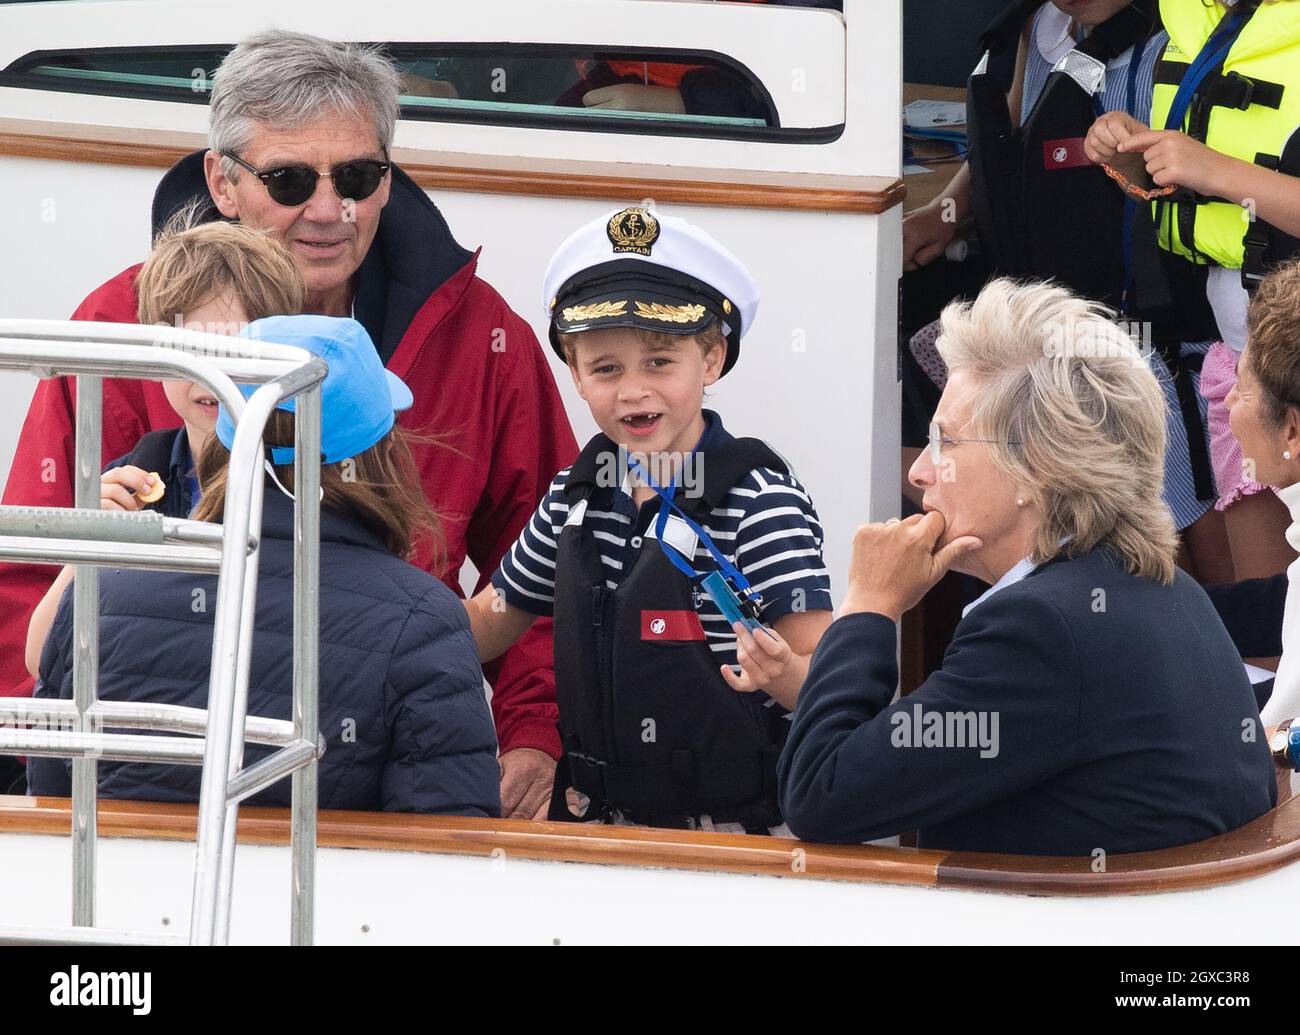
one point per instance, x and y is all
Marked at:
(380, 488)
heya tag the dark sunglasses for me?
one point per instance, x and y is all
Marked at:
(294, 185)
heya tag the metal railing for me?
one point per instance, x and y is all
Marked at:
(87, 537)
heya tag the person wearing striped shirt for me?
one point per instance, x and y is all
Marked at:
(766, 526)
(671, 713)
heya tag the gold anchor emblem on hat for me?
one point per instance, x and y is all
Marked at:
(633, 230)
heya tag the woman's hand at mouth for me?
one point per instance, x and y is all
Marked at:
(895, 563)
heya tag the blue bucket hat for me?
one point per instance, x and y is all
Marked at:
(358, 396)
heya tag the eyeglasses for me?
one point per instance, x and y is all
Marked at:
(1134, 189)
(294, 185)
(938, 440)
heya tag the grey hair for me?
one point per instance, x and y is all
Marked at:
(287, 79)
(1075, 414)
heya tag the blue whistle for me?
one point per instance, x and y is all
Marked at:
(715, 584)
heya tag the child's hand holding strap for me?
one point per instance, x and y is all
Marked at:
(1104, 142)
(1173, 159)
(1104, 145)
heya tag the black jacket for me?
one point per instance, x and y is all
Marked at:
(402, 707)
(1123, 718)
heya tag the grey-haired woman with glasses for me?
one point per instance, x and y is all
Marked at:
(1091, 701)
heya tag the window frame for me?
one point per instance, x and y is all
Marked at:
(17, 76)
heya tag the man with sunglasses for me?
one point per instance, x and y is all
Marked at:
(300, 130)
(286, 197)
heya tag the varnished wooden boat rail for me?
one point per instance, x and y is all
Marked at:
(1267, 844)
(519, 838)
(495, 174)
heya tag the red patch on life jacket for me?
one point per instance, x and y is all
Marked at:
(1066, 153)
(671, 625)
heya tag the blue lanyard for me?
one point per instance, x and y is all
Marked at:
(1134, 65)
(661, 523)
(1215, 51)
(1130, 205)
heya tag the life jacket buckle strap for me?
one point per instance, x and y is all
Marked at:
(588, 775)
(1245, 87)
(1234, 90)
(1187, 196)
(1254, 257)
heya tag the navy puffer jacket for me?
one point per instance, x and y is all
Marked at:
(402, 707)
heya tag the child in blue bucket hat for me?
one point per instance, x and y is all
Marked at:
(359, 396)
(402, 707)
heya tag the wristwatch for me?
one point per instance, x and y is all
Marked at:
(1280, 745)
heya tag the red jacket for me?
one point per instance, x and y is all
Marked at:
(482, 385)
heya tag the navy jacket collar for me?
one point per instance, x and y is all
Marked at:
(714, 433)
(277, 523)
(1107, 554)
(180, 466)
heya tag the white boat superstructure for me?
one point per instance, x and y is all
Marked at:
(811, 196)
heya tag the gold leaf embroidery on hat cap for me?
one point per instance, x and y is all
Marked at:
(633, 230)
(669, 313)
(595, 311)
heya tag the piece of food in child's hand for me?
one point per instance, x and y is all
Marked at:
(154, 492)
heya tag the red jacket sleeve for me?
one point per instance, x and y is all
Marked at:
(532, 441)
(42, 474)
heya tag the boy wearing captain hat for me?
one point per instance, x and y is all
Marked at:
(682, 566)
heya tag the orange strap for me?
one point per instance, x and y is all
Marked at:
(656, 73)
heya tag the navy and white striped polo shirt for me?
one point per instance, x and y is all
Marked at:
(766, 526)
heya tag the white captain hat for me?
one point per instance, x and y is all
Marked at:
(636, 268)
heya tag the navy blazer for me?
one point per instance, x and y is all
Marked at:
(1082, 708)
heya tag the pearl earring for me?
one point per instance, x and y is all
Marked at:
(1020, 503)
(1286, 454)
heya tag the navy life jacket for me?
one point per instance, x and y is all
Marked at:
(1044, 211)
(649, 727)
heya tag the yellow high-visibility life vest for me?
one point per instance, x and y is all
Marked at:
(1252, 114)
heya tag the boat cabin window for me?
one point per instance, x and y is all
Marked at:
(645, 90)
